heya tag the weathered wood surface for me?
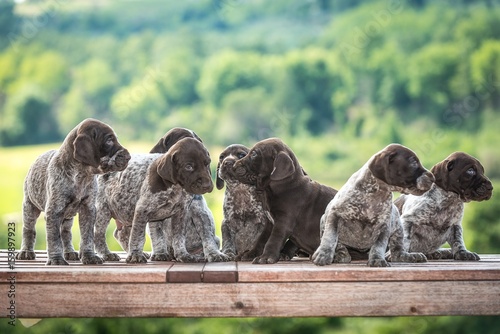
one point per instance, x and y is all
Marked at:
(236, 289)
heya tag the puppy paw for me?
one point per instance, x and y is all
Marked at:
(56, 261)
(26, 255)
(111, 257)
(466, 256)
(136, 258)
(161, 257)
(378, 263)
(247, 255)
(188, 258)
(408, 257)
(217, 257)
(323, 257)
(440, 254)
(91, 258)
(342, 257)
(230, 255)
(71, 256)
(265, 259)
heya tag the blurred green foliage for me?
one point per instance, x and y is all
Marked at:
(337, 80)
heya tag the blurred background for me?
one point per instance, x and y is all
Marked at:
(336, 80)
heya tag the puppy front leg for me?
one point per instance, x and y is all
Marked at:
(258, 246)
(326, 251)
(457, 244)
(158, 241)
(87, 216)
(228, 246)
(279, 234)
(202, 218)
(54, 243)
(30, 215)
(376, 257)
(67, 239)
(138, 237)
(178, 235)
(396, 242)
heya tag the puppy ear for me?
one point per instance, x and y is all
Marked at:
(283, 166)
(218, 181)
(379, 164)
(440, 172)
(159, 147)
(166, 167)
(84, 151)
(196, 137)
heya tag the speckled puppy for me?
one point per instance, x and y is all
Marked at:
(155, 187)
(63, 183)
(200, 226)
(245, 210)
(431, 220)
(362, 216)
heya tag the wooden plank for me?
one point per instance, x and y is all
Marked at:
(303, 270)
(185, 273)
(330, 299)
(220, 272)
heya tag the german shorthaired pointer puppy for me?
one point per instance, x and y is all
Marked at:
(431, 220)
(245, 209)
(200, 225)
(153, 188)
(63, 183)
(296, 202)
(362, 216)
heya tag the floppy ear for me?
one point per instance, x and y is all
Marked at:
(283, 166)
(84, 151)
(159, 147)
(440, 170)
(379, 164)
(218, 181)
(165, 167)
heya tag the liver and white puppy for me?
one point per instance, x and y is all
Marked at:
(63, 183)
(245, 209)
(431, 220)
(155, 187)
(362, 216)
(200, 226)
(296, 202)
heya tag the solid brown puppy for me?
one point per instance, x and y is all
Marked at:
(435, 218)
(63, 183)
(296, 202)
(362, 216)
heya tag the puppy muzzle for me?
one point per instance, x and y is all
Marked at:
(117, 162)
(423, 184)
(481, 193)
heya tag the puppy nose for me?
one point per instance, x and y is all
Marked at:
(228, 162)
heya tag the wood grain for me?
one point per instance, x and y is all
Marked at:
(230, 289)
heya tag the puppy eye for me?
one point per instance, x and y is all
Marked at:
(241, 155)
(253, 155)
(470, 172)
(189, 168)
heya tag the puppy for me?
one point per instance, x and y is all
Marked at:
(63, 183)
(201, 240)
(362, 216)
(155, 187)
(245, 209)
(431, 220)
(296, 202)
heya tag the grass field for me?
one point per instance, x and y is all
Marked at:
(14, 165)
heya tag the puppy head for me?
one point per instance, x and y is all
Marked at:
(463, 175)
(226, 162)
(172, 137)
(187, 163)
(399, 167)
(269, 160)
(95, 144)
